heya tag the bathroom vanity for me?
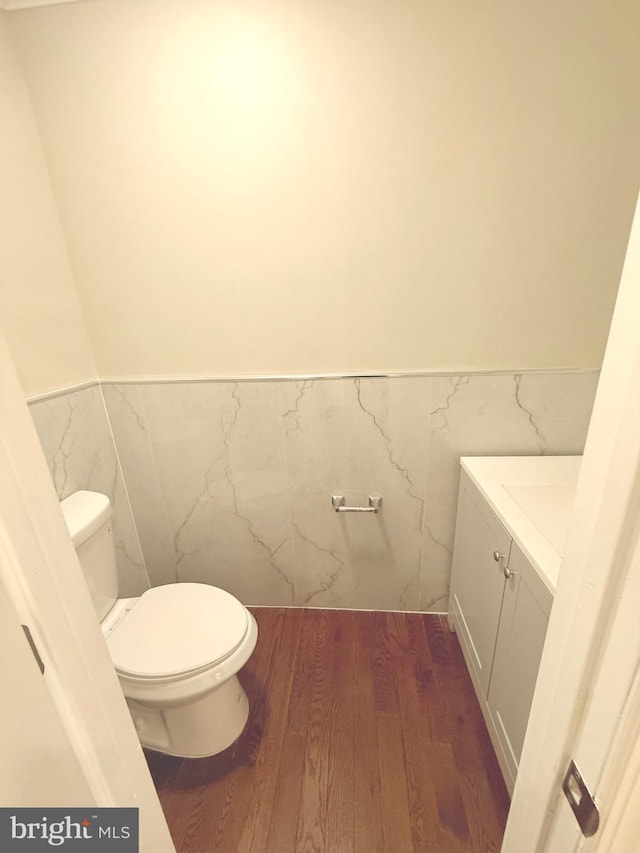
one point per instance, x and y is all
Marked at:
(513, 515)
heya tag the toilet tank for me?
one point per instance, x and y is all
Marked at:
(88, 518)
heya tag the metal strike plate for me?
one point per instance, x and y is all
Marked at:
(33, 647)
(581, 801)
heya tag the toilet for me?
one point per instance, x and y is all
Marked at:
(177, 648)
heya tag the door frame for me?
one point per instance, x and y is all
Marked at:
(42, 576)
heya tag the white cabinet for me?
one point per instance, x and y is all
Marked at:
(477, 582)
(526, 605)
(500, 608)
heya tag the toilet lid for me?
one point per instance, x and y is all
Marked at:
(176, 629)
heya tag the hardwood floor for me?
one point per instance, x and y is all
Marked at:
(364, 735)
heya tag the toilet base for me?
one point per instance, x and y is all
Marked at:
(196, 729)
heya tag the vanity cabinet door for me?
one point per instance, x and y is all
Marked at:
(477, 581)
(523, 625)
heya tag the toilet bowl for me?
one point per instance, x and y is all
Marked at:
(177, 648)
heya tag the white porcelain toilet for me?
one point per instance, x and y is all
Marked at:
(177, 648)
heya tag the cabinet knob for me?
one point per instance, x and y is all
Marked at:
(497, 556)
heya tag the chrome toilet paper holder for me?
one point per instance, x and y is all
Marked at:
(338, 503)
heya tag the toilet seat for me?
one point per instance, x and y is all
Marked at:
(177, 630)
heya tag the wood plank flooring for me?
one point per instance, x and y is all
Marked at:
(364, 736)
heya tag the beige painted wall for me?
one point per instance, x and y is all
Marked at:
(39, 307)
(307, 186)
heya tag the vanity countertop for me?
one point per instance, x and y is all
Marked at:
(533, 497)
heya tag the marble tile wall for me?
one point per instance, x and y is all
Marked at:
(230, 482)
(76, 438)
(491, 415)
